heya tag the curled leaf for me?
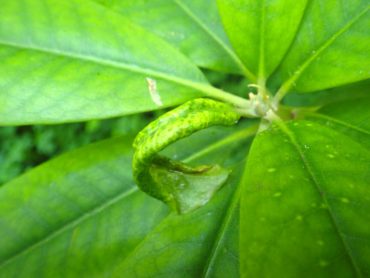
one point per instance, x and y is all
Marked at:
(183, 187)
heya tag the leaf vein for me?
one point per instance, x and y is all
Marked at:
(334, 120)
(71, 224)
(223, 45)
(316, 183)
(289, 83)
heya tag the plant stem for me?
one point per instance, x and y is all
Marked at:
(222, 95)
(284, 89)
(244, 106)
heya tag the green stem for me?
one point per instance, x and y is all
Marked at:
(284, 89)
(244, 106)
(222, 95)
(205, 88)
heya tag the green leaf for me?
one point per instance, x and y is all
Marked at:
(194, 27)
(350, 117)
(331, 47)
(81, 214)
(68, 61)
(187, 190)
(305, 204)
(261, 31)
(76, 214)
(202, 243)
(343, 93)
(181, 186)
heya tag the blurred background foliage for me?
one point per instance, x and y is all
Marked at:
(24, 147)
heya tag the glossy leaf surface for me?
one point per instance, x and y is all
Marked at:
(330, 48)
(348, 92)
(261, 31)
(314, 213)
(349, 117)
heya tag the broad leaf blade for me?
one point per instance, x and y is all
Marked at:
(314, 185)
(76, 214)
(350, 117)
(68, 61)
(194, 27)
(190, 245)
(81, 214)
(331, 47)
(203, 242)
(348, 92)
(261, 31)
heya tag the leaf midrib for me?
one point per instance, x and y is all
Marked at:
(337, 121)
(261, 58)
(204, 87)
(206, 150)
(96, 210)
(284, 128)
(71, 224)
(315, 53)
(224, 46)
(227, 218)
(234, 137)
(231, 209)
(109, 63)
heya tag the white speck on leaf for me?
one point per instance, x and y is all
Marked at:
(323, 263)
(277, 194)
(152, 86)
